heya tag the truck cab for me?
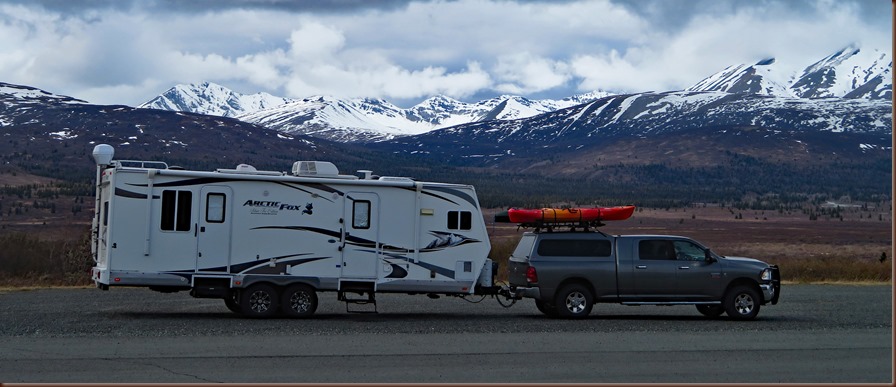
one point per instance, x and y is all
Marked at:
(566, 273)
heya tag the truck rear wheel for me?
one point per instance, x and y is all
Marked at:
(574, 301)
(742, 303)
(299, 301)
(259, 301)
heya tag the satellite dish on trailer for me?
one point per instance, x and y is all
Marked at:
(103, 154)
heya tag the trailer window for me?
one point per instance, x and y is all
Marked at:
(460, 220)
(214, 207)
(361, 214)
(177, 210)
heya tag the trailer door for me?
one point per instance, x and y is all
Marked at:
(213, 236)
(361, 248)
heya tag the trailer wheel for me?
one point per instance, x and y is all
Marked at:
(574, 301)
(233, 303)
(548, 309)
(259, 301)
(299, 301)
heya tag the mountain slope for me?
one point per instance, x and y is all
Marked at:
(851, 72)
(212, 99)
(760, 78)
(645, 115)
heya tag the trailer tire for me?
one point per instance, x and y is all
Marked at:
(299, 301)
(259, 301)
(574, 301)
(232, 302)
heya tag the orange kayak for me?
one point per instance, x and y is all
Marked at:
(569, 215)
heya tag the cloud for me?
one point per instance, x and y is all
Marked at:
(111, 51)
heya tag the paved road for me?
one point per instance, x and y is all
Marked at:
(817, 334)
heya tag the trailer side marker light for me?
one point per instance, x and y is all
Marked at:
(464, 288)
(118, 280)
(237, 282)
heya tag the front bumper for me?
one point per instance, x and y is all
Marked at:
(772, 290)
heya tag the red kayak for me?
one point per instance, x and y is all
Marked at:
(569, 215)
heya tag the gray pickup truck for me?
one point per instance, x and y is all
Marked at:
(567, 272)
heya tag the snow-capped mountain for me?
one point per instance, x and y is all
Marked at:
(760, 78)
(370, 120)
(654, 115)
(852, 72)
(16, 102)
(212, 99)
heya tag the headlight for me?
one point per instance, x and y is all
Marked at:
(766, 274)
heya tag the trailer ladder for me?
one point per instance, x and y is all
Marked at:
(359, 288)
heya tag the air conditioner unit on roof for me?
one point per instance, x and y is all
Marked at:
(314, 168)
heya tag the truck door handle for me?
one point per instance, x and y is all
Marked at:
(641, 267)
(684, 268)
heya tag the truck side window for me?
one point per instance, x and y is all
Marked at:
(361, 214)
(687, 251)
(177, 210)
(656, 250)
(574, 248)
(460, 220)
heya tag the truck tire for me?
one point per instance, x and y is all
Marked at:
(574, 301)
(712, 311)
(742, 303)
(299, 301)
(259, 301)
(548, 309)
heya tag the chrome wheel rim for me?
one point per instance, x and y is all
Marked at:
(260, 301)
(300, 302)
(575, 302)
(743, 304)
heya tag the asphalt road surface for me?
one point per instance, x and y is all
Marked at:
(816, 334)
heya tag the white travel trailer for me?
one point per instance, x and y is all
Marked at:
(267, 242)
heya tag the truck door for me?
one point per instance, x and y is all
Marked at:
(654, 269)
(696, 277)
(361, 248)
(213, 235)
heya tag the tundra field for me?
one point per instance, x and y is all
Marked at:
(826, 244)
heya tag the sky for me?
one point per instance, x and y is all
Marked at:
(129, 51)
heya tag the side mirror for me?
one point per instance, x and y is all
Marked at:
(708, 256)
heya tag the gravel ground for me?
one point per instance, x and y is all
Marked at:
(137, 312)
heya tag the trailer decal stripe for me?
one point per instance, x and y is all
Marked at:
(180, 183)
(438, 269)
(456, 192)
(130, 194)
(313, 195)
(431, 194)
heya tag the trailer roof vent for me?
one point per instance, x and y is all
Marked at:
(315, 168)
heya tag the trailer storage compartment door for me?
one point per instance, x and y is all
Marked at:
(361, 248)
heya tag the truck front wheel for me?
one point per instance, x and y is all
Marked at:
(574, 301)
(742, 303)
(259, 301)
